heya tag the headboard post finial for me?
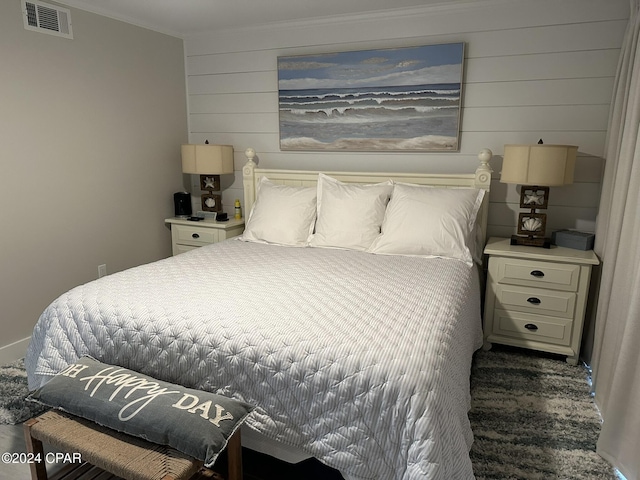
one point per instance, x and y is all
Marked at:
(483, 181)
(248, 180)
(250, 153)
(484, 171)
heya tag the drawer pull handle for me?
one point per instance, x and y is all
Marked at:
(537, 273)
(531, 326)
(534, 300)
(195, 235)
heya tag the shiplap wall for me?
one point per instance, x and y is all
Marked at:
(533, 69)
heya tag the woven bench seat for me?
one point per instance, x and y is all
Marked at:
(120, 454)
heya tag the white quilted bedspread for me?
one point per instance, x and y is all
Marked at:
(361, 360)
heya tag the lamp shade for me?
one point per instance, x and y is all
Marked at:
(207, 159)
(542, 165)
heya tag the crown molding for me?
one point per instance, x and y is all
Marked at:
(105, 12)
(437, 8)
(440, 8)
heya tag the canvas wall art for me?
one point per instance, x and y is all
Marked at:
(386, 99)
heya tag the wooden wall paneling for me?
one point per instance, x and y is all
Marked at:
(248, 82)
(542, 66)
(558, 217)
(533, 69)
(591, 146)
(504, 231)
(419, 22)
(545, 39)
(508, 41)
(589, 143)
(235, 122)
(249, 61)
(575, 195)
(241, 102)
(565, 91)
(538, 118)
(588, 169)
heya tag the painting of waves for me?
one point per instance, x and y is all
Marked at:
(394, 99)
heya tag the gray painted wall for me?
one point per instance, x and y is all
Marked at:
(91, 130)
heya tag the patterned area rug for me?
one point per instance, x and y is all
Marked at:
(13, 390)
(533, 418)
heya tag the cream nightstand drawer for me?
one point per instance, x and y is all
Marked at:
(536, 297)
(532, 327)
(195, 235)
(187, 235)
(555, 276)
(532, 300)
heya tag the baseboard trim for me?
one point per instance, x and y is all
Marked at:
(14, 351)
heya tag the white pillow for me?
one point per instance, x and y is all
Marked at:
(430, 221)
(281, 214)
(349, 215)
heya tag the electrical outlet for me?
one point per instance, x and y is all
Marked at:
(102, 270)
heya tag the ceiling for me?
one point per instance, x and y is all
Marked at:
(182, 18)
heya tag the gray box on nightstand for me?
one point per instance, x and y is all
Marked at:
(573, 239)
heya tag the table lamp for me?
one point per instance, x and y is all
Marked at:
(208, 161)
(536, 168)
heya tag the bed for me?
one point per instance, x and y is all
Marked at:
(352, 351)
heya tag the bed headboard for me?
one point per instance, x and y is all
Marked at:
(481, 179)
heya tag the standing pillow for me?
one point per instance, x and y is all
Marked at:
(193, 422)
(281, 214)
(349, 215)
(430, 221)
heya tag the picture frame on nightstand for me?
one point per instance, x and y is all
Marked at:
(211, 202)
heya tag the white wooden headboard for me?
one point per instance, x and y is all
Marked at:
(481, 179)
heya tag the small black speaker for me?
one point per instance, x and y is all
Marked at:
(182, 204)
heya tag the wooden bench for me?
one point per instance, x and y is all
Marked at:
(120, 454)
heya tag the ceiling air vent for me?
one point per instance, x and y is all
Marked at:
(46, 18)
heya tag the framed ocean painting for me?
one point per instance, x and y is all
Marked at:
(388, 99)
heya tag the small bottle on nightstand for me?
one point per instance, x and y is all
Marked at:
(238, 210)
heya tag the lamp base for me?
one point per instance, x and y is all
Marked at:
(531, 241)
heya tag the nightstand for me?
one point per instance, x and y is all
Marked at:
(187, 235)
(536, 297)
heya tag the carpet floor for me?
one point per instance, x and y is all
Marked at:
(532, 417)
(13, 390)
